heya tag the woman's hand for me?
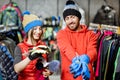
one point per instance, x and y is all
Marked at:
(46, 73)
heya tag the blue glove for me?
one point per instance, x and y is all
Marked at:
(78, 72)
(84, 59)
(85, 72)
(79, 67)
(75, 67)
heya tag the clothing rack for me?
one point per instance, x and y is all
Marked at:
(119, 12)
(94, 26)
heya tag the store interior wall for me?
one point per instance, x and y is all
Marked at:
(47, 8)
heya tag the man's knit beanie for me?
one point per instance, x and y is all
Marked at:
(30, 21)
(71, 9)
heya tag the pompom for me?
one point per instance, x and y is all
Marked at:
(53, 18)
(70, 2)
(26, 13)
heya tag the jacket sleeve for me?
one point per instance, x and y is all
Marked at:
(92, 46)
(64, 45)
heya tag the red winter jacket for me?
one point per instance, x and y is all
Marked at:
(72, 42)
(30, 72)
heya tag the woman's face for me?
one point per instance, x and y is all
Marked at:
(37, 32)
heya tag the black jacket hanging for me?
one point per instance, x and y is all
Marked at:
(106, 15)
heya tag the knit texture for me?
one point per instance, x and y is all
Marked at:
(71, 9)
(30, 21)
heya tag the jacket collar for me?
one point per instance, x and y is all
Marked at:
(25, 42)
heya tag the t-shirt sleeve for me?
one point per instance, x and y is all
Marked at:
(17, 55)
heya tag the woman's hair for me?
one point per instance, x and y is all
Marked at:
(30, 35)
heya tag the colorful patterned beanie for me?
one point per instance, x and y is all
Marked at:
(30, 21)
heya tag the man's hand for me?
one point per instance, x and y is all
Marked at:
(79, 67)
(85, 70)
(75, 67)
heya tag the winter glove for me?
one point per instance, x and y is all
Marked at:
(36, 52)
(39, 64)
(79, 67)
(75, 67)
(43, 47)
(54, 65)
(84, 59)
(85, 72)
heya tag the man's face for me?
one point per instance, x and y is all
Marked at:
(72, 22)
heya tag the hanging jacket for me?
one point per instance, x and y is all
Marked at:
(70, 42)
(6, 64)
(11, 17)
(0, 75)
(106, 15)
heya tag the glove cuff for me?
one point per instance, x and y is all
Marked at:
(30, 57)
(39, 64)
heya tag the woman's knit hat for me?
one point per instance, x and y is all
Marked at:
(71, 9)
(30, 21)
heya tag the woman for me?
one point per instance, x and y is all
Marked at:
(26, 57)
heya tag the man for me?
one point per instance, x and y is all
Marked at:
(78, 46)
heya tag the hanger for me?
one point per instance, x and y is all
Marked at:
(106, 6)
(105, 2)
(103, 27)
(10, 1)
(94, 26)
(110, 28)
